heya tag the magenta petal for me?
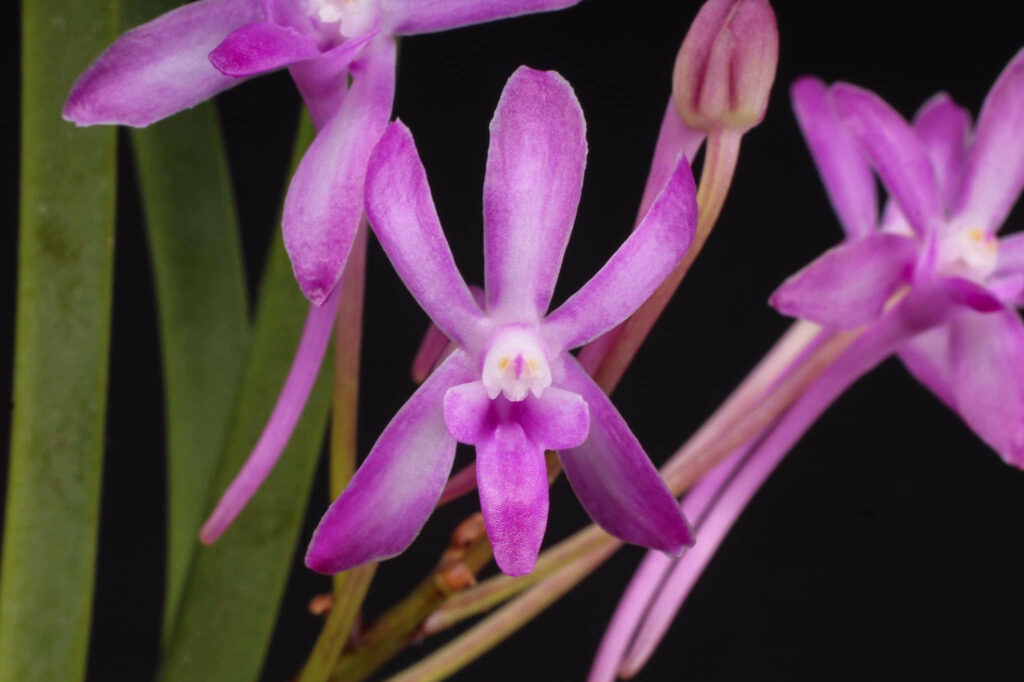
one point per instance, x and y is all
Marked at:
(971, 294)
(635, 270)
(849, 285)
(323, 82)
(674, 138)
(987, 352)
(468, 414)
(927, 357)
(1011, 254)
(325, 198)
(896, 152)
(390, 497)
(403, 217)
(558, 419)
(995, 162)
(840, 161)
(278, 430)
(513, 483)
(535, 163)
(944, 127)
(159, 68)
(262, 46)
(408, 17)
(614, 479)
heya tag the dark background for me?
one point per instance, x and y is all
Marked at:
(888, 545)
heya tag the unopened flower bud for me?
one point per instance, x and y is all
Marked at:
(726, 66)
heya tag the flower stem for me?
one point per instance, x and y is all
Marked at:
(350, 587)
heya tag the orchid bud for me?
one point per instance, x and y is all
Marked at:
(726, 66)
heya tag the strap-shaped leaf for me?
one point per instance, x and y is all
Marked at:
(234, 587)
(203, 309)
(62, 341)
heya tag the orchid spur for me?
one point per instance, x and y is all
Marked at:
(511, 389)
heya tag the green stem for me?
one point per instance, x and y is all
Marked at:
(350, 586)
(62, 343)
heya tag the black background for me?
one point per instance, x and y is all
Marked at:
(888, 545)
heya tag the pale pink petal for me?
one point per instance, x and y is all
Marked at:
(841, 162)
(402, 214)
(390, 497)
(995, 162)
(1011, 254)
(408, 17)
(535, 163)
(944, 127)
(926, 356)
(896, 152)
(325, 199)
(262, 46)
(283, 419)
(159, 68)
(987, 352)
(635, 270)
(323, 82)
(614, 479)
(513, 482)
(674, 138)
(849, 285)
(469, 413)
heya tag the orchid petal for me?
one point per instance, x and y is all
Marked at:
(613, 478)
(896, 152)
(535, 163)
(325, 199)
(987, 354)
(674, 138)
(994, 175)
(926, 356)
(390, 497)
(468, 414)
(971, 294)
(635, 270)
(262, 46)
(558, 419)
(159, 68)
(323, 82)
(844, 169)
(849, 285)
(1011, 254)
(435, 346)
(944, 127)
(403, 217)
(513, 482)
(277, 432)
(409, 17)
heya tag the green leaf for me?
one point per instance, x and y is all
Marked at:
(234, 589)
(62, 341)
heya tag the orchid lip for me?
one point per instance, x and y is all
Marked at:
(515, 364)
(972, 253)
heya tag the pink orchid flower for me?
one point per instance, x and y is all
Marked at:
(511, 389)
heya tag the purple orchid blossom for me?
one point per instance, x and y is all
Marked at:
(511, 388)
(930, 280)
(950, 193)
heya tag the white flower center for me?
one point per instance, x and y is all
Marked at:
(515, 365)
(971, 253)
(352, 17)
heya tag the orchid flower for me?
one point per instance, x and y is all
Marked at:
(950, 193)
(190, 54)
(511, 389)
(929, 281)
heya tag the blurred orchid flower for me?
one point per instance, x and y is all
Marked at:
(511, 389)
(929, 280)
(950, 194)
(190, 54)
